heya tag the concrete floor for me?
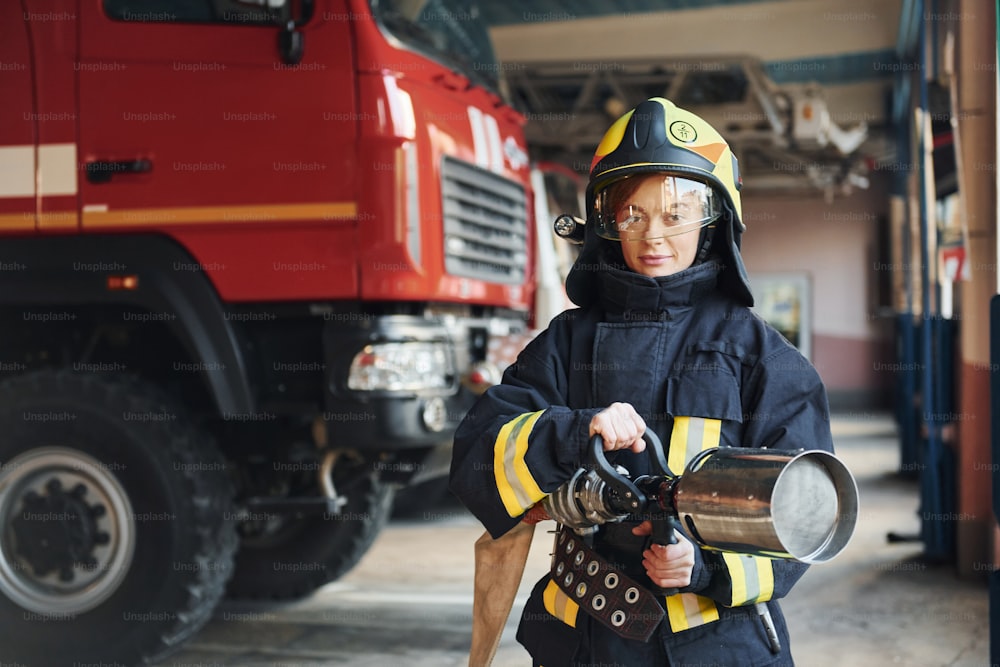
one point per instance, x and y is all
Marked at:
(408, 603)
(881, 603)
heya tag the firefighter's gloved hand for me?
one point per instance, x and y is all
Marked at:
(667, 566)
(620, 426)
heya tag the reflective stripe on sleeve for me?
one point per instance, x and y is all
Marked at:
(752, 578)
(688, 610)
(518, 489)
(559, 605)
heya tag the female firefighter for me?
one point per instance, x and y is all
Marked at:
(663, 339)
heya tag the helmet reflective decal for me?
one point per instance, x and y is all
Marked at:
(683, 131)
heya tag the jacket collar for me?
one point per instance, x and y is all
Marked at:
(635, 296)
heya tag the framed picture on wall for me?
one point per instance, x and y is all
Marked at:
(785, 301)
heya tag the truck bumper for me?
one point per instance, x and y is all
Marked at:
(384, 419)
(391, 423)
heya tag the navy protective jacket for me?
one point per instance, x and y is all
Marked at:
(704, 371)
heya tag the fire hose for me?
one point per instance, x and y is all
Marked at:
(798, 505)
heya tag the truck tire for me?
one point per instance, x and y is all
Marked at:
(421, 500)
(300, 554)
(115, 544)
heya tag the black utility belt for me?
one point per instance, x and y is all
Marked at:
(603, 590)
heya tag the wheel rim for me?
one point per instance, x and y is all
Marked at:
(67, 531)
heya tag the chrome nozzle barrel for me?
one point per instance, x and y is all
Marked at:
(799, 505)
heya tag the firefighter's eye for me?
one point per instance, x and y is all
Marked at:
(683, 213)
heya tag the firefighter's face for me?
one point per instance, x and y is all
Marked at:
(666, 253)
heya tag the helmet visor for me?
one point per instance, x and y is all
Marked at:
(653, 206)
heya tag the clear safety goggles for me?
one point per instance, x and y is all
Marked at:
(645, 206)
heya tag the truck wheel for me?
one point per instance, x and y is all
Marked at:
(288, 557)
(115, 544)
(421, 500)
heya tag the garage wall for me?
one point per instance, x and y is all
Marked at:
(836, 245)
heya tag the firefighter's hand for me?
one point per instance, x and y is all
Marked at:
(620, 426)
(668, 566)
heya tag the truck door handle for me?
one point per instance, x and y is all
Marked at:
(101, 171)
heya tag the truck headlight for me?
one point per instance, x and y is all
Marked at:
(411, 366)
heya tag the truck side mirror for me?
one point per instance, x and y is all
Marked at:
(291, 42)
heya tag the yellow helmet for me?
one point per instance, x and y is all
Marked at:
(659, 137)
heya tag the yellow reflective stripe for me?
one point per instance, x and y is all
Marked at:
(691, 436)
(99, 215)
(559, 605)
(711, 436)
(688, 610)
(765, 575)
(23, 220)
(677, 456)
(752, 578)
(676, 613)
(734, 563)
(508, 495)
(518, 489)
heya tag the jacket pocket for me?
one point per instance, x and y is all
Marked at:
(737, 639)
(706, 411)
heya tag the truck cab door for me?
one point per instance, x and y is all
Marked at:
(38, 184)
(191, 122)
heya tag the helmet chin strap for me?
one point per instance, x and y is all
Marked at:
(704, 243)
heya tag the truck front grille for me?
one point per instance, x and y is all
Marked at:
(485, 224)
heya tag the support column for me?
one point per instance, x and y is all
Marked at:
(976, 71)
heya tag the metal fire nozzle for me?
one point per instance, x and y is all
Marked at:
(800, 505)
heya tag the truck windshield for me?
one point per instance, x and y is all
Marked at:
(449, 31)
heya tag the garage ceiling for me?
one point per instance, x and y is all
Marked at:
(574, 65)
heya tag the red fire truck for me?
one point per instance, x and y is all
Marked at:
(252, 256)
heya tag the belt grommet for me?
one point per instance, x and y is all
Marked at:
(581, 589)
(632, 595)
(598, 602)
(618, 618)
(611, 581)
(568, 580)
(593, 567)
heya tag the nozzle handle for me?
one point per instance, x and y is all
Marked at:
(626, 496)
(664, 533)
